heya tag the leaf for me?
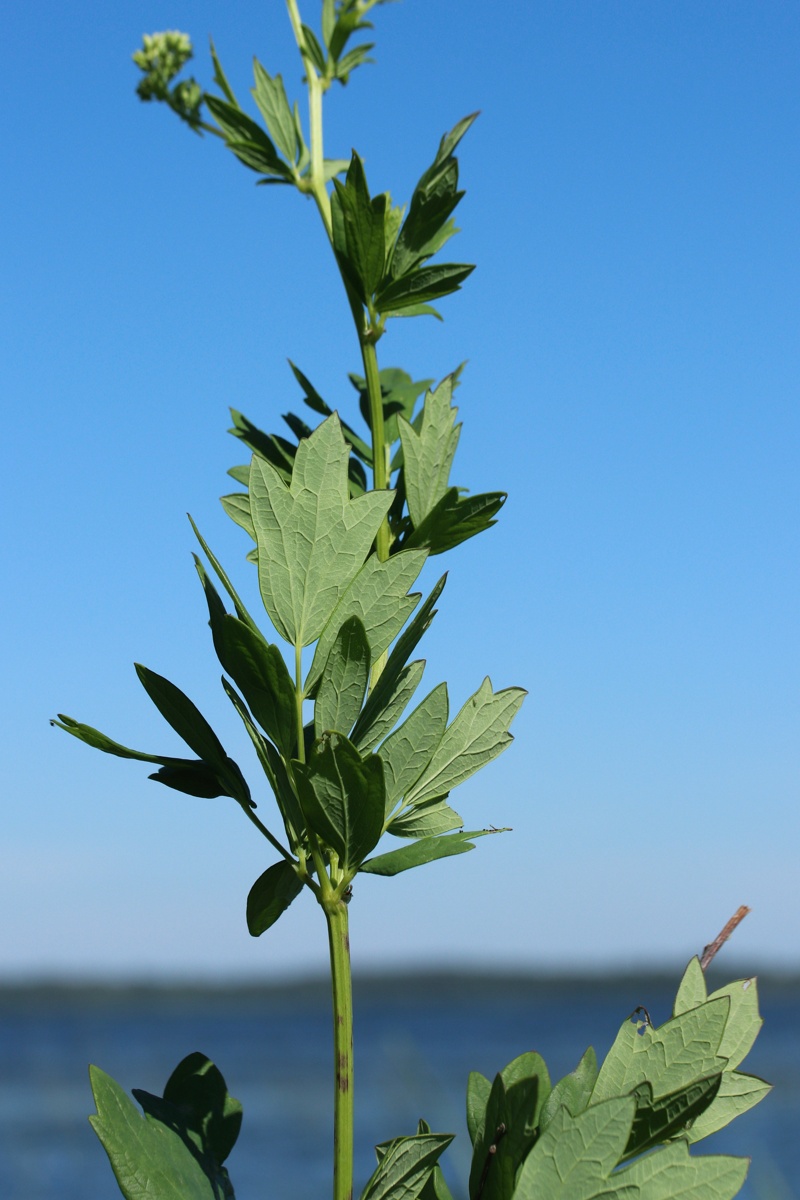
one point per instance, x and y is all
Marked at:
(509, 1128)
(673, 1174)
(479, 1089)
(657, 1120)
(744, 1020)
(317, 404)
(274, 769)
(454, 519)
(312, 537)
(256, 667)
(692, 989)
(271, 895)
(344, 679)
(219, 77)
(574, 1091)
(426, 850)
(196, 778)
(477, 735)
(574, 1157)
(313, 49)
(671, 1057)
(426, 820)
(342, 797)
(408, 751)
(241, 611)
(191, 777)
(405, 1167)
(381, 720)
(378, 596)
(150, 1161)
(247, 139)
(422, 285)
(381, 695)
(270, 96)
(363, 220)
(737, 1093)
(178, 710)
(428, 453)
(197, 1106)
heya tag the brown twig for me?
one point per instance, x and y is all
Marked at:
(722, 937)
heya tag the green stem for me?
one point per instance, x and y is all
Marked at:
(339, 942)
(298, 701)
(380, 450)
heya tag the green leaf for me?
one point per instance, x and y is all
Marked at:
(317, 404)
(423, 285)
(196, 1104)
(219, 77)
(178, 710)
(271, 895)
(187, 775)
(479, 1089)
(383, 713)
(256, 667)
(477, 735)
(426, 820)
(241, 611)
(574, 1091)
(672, 1173)
(428, 453)
(509, 1128)
(363, 222)
(692, 990)
(744, 1020)
(149, 1160)
(343, 683)
(342, 797)
(276, 450)
(405, 1167)
(408, 751)
(664, 1117)
(426, 850)
(312, 537)
(671, 1057)
(378, 596)
(247, 139)
(193, 778)
(274, 769)
(380, 698)
(313, 49)
(189, 723)
(737, 1093)
(270, 96)
(454, 519)
(574, 1157)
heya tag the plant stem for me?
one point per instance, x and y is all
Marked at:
(339, 941)
(298, 701)
(380, 464)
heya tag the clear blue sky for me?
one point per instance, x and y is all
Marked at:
(632, 336)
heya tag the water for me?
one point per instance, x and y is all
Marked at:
(416, 1041)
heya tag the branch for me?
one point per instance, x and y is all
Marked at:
(722, 937)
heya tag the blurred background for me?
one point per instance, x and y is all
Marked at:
(631, 337)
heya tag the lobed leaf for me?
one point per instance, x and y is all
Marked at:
(378, 596)
(429, 451)
(672, 1174)
(312, 537)
(575, 1156)
(149, 1160)
(407, 752)
(426, 820)
(478, 734)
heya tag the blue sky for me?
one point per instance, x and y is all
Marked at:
(631, 331)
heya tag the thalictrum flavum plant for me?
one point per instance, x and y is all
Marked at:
(342, 523)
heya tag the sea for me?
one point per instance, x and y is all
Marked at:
(417, 1038)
